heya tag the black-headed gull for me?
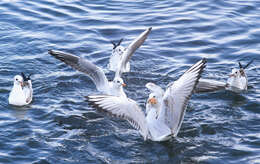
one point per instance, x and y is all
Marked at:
(236, 82)
(164, 110)
(97, 75)
(22, 92)
(118, 51)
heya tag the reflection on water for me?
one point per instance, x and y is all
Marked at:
(19, 112)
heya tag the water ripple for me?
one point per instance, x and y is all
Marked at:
(60, 127)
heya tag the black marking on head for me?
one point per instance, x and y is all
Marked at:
(23, 75)
(29, 77)
(120, 41)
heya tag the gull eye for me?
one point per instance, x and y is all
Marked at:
(118, 81)
(16, 79)
(153, 96)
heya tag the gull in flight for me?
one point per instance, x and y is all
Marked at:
(97, 75)
(22, 92)
(118, 52)
(236, 82)
(164, 109)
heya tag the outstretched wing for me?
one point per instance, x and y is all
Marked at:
(85, 66)
(177, 95)
(122, 107)
(131, 49)
(206, 85)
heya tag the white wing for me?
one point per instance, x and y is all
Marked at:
(85, 66)
(130, 51)
(123, 108)
(177, 95)
(206, 85)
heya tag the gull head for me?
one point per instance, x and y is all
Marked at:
(155, 97)
(18, 80)
(118, 82)
(152, 100)
(241, 72)
(237, 73)
(119, 50)
(154, 103)
(238, 79)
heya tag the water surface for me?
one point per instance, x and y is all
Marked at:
(60, 127)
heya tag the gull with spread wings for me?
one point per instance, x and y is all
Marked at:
(118, 52)
(236, 82)
(164, 110)
(97, 75)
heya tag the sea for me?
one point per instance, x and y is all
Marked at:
(60, 127)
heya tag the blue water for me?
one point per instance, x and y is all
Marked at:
(60, 127)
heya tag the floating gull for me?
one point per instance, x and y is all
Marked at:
(119, 51)
(22, 92)
(237, 82)
(164, 110)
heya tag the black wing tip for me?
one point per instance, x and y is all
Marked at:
(120, 41)
(64, 57)
(240, 65)
(244, 67)
(204, 60)
(23, 75)
(201, 66)
(87, 98)
(201, 69)
(115, 45)
(53, 52)
(26, 78)
(251, 61)
(148, 30)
